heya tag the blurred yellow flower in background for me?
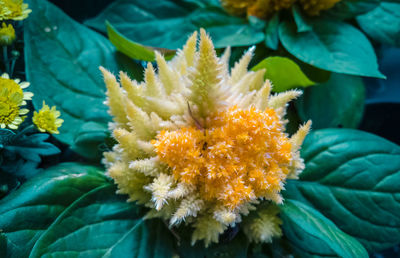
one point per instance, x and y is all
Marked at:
(202, 144)
(7, 34)
(13, 10)
(265, 8)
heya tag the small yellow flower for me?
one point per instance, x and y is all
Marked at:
(12, 97)
(7, 34)
(265, 8)
(203, 144)
(46, 120)
(13, 10)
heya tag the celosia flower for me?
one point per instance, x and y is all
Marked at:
(12, 97)
(203, 145)
(7, 34)
(13, 10)
(46, 120)
(265, 8)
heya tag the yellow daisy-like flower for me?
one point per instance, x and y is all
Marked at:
(265, 8)
(201, 144)
(7, 34)
(46, 120)
(13, 10)
(12, 97)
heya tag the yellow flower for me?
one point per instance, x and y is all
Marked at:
(265, 8)
(46, 120)
(200, 143)
(12, 97)
(13, 10)
(7, 34)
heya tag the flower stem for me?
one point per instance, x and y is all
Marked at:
(5, 59)
(26, 130)
(13, 61)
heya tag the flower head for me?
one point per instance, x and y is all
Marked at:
(13, 10)
(46, 120)
(12, 97)
(265, 8)
(200, 143)
(7, 34)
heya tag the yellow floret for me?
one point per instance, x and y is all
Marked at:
(264, 226)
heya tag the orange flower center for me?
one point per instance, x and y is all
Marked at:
(242, 155)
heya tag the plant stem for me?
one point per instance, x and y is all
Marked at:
(5, 59)
(13, 61)
(26, 130)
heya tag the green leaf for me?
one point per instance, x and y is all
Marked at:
(277, 70)
(302, 22)
(313, 73)
(383, 23)
(167, 24)
(352, 178)
(336, 103)
(133, 49)
(90, 139)
(23, 152)
(27, 212)
(347, 9)
(102, 224)
(6, 136)
(385, 91)
(333, 46)
(71, 210)
(133, 68)
(311, 234)
(272, 32)
(62, 59)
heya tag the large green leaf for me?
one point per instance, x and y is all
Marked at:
(27, 212)
(313, 235)
(71, 210)
(352, 178)
(336, 103)
(62, 59)
(333, 46)
(283, 73)
(102, 224)
(383, 23)
(167, 24)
